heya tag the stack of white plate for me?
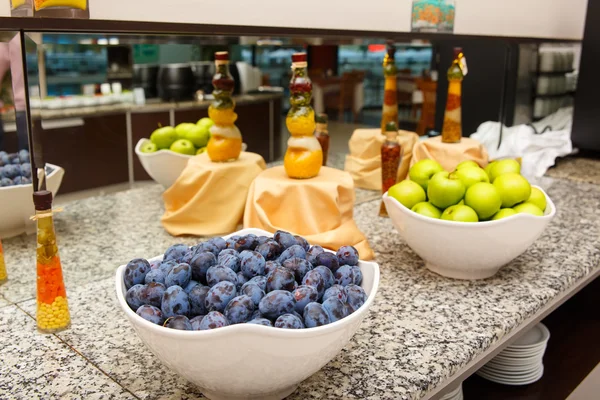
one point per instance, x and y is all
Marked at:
(456, 394)
(521, 362)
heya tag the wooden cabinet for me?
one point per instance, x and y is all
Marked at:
(93, 150)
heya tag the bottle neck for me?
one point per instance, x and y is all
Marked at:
(321, 129)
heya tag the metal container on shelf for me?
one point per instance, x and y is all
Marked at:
(145, 76)
(176, 82)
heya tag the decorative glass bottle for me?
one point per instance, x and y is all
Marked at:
(225, 143)
(52, 306)
(391, 156)
(452, 129)
(3, 274)
(390, 89)
(322, 135)
(304, 156)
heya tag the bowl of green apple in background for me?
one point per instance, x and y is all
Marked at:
(165, 155)
(467, 236)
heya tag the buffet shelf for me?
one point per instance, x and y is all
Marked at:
(424, 334)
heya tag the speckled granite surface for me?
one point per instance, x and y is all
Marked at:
(577, 168)
(422, 328)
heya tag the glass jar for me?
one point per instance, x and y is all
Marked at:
(452, 128)
(391, 156)
(322, 135)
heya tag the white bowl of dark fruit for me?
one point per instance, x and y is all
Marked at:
(271, 307)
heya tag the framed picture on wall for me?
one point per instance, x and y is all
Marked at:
(433, 16)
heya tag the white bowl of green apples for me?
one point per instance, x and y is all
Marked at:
(468, 223)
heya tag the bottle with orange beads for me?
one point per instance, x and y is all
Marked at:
(225, 143)
(52, 307)
(3, 274)
(391, 156)
(304, 156)
(389, 113)
(322, 135)
(452, 128)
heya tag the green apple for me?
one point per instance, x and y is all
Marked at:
(469, 175)
(467, 163)
(207, 122)
(183, 146)
(183, 129)
(484, 199)
(201, 150)
(501, 167)
(513, 189)
(460, 213)
(445, 190)
(148, 147)
(538, 198)
(427, 209)
(408, 193)
(503, 213)
(198, 135)
(423, 170)
(488, 169)
(528, 208)
(164, 137)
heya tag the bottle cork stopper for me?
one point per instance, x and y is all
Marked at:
(222, 56)
(457, 51)
(321, 118)
(42, 200)
(299, 57)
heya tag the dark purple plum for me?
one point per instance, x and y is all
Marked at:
(252, 263)
(231, 261)
(134, 296)
(336, 291)
(176, 252)
(219, 273)
(200, 264)
(313, 252)
(313, 278)
(358, 277)
(276, 303)
(179, 275)
(187, 257)
(329, 260)
(291, 252)
(219, 242)
(152, 294)
(253, 291)
(155, 275)
(270, 266)
(356, 296)
(335, 308)
(302, 242)
(135, 272)
(190, 286)
(280, 279)
(245, 243)
(197, 297)
(256, 314)
(269, 250)
(180, 322)
(344, 275)
(213, 320)
(315, 315)
(166, 266)
(260, 280)
(219, 296)
(347, 255)
(196, 321)
(298, 266)
(285, 239)
(289, 321)
(151, 313)
(261, 321)
(241, 279)
(239, 309)
(263, 239)
(328, 278)
(304, 295)
(175, 301)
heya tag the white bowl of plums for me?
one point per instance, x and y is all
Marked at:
(250, 315)
(468, 223)
(16, 205)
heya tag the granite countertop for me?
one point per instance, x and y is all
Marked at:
(151, 106)
(421, 330)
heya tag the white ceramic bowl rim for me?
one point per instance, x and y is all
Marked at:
(55, 169)
(548, 214)
(264, 330)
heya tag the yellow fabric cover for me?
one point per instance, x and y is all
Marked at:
(364, 161)
(449, 155)
(208, 198)
(319, 209)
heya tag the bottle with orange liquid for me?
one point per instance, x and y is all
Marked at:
(225, 142)
(452, 129)
(52, 306)
(390, 89)
(304, 156)
(391, 156)
(3, 274)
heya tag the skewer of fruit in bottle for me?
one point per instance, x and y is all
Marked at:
(452, 128)
(52, 307)
(322, 135)
(3, 274)
(390, 89)
(225, 143)
(304, 156)
(391, 155)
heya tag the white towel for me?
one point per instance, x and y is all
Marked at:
(538, 152)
